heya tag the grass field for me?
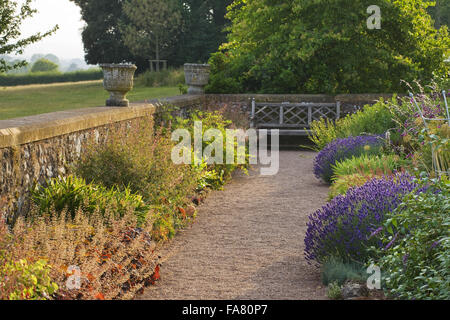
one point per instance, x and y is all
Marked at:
(29, 100)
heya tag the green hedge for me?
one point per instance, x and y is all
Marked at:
(49, 77)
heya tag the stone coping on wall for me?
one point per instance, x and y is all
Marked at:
(24, 130)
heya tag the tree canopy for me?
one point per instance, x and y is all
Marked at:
(11, 17)
(153, 27)
(325, 46)
(101, 35)
(204, 25)
(44, 65)
(193, 39)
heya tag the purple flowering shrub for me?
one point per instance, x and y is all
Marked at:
(341, 149)
(345, 227)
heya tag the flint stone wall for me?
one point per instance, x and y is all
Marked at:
(34, 149)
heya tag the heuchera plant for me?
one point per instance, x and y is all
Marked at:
(341, 149)
(345, 226)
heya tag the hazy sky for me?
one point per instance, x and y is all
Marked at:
(66, 42)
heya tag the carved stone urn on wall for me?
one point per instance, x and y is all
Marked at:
(118, 81)
(197, 77)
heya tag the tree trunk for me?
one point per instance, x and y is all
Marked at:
(157, 53)
(438, 13)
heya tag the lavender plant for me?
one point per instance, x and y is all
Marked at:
(345, 226)
(341, 149)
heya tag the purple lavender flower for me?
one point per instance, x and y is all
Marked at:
(391, 242)
(435, 244)
(405, 259)
(377, 231)
(341, 149)
(343, 226)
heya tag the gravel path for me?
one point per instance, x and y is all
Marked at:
(247, 242)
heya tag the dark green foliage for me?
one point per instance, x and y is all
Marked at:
(203, 30)
(151, 27)
(44, 65)
(440, 13)
(325, 46)
(50, 77)
(416, 256)
(102, 37)
(200, 33)
(224, 74)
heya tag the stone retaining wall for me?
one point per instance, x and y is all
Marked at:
(349, 102)
(40, 147)
(36, 148)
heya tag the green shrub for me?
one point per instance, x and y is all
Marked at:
(22, 280)
(323, 131)
(44, 65)
(164, 227)
(212, 120)
(73, 194)
(336, 271)
(367, 164)
(415, 260)
(22, 277)
(294, 46)
(49, 77)
(221, 79)
(164, 78)
(209, 179)
(334, 291)
(139, 158)
(372, 119)
(342, 184)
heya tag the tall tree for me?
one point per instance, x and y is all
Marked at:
(204, 30)
(326, 46)
(200, 32)
(11, 17)
(44, 65)
(101, 35)
(151, 27)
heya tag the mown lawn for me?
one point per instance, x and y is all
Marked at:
(29, 100)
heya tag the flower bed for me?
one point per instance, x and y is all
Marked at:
(398, 221)
(96, 233)
(342, 228)
(341, 149)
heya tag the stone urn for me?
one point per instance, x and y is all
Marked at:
(197, 77)
(118, 81)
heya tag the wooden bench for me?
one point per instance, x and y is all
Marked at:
(291, 118)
